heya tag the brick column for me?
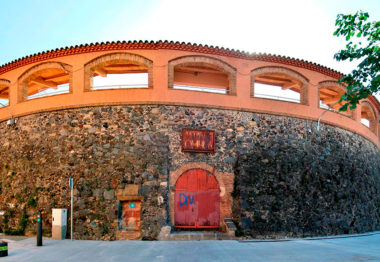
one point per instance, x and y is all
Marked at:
(78, 79)
(160, 76)
(243, 83)
(312, 93)
(357, 113)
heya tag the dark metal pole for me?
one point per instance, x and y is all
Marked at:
(71, 184)
(39, 230)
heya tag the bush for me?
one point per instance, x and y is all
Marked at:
(32, 202)
(22, 225)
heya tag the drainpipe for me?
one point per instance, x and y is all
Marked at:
(12, 121)
(168, 220)
(319, 119)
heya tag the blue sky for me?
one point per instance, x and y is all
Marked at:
(296, 28)
(33, 26)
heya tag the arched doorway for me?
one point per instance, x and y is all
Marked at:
(197, 200)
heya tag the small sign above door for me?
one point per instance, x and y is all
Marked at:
(198, 140)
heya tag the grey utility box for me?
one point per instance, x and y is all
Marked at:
(59, 223)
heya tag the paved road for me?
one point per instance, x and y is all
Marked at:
(363, 248)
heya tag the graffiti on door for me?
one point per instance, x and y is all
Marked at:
(186, 199)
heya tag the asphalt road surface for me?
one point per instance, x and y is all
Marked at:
(356, 248)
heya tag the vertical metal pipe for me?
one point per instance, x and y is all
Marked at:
(2, 183)
(168, 220)
(324, 112)
(72, 204)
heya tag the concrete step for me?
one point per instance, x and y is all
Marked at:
(230, 226)
(199, 235)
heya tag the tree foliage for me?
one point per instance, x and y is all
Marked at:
(363, 40)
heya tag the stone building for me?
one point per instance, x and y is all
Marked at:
(163, 134)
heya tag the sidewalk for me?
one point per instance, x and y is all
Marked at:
(356, 248)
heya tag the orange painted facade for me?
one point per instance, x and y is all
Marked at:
(239, 69)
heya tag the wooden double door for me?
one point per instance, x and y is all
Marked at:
(197, 200)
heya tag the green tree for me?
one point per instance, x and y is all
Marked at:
(363, 40)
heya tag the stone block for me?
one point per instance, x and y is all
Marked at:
(131, 190)
(164, 233)
(109, 194)
(97, 193)
(119, 192)
(155, 111)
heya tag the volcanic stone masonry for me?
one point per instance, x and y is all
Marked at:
(289, 179)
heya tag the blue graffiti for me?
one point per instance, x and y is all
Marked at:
(187, 200)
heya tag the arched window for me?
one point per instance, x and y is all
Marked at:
(4, 92)
(279, 83)
(46, 79)
(368, 116)
(329, 94)
(118, 70)
(202, 73)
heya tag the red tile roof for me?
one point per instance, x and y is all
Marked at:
(131, 45)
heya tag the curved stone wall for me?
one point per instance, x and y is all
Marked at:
(278, 175)
(291, 181)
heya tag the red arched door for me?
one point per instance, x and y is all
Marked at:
(196, 200)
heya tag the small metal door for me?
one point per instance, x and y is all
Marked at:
(130, 219)
(197, 200)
